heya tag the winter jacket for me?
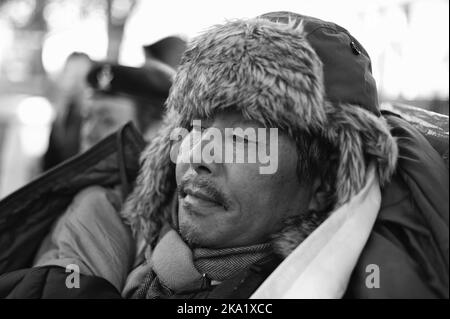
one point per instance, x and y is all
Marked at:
(27, 215)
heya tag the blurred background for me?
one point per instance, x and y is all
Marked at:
(46, 49)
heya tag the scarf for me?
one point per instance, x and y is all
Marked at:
(173, 267)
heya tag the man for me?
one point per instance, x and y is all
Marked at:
(221, 228)
(230, 225)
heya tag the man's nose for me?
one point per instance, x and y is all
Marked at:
(205, 156)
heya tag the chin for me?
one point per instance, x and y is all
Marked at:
(199, 230)
(191, 235)
(195, 234)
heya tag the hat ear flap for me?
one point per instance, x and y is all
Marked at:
(154, 186)
(351, 165)
(361, 138)
(380, 146)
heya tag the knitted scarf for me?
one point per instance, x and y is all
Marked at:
(176, 268)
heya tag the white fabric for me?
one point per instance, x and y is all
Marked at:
(321, 266)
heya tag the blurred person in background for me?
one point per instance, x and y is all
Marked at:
(69, 94)
(120, 94)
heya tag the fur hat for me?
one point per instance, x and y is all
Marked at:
(271, 71)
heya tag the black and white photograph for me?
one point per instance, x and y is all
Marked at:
(209, 152)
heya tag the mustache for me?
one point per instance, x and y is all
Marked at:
(205, 185)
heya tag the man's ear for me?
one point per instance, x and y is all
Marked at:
(320, 193)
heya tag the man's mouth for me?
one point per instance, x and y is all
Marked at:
(199, 195)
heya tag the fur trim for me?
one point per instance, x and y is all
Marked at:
(144, 209)
(362, 138)
(238, 65)
(287, 93)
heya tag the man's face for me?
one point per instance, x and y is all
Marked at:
(233, 204)
(103, 116)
